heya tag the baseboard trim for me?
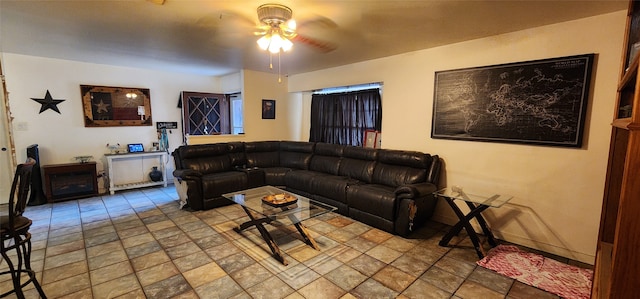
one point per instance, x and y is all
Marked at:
(528, 242)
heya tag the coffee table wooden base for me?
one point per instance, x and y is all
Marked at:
(275, 250)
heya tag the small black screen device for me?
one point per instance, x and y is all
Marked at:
(135, 147)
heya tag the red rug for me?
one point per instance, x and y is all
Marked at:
(533, 269)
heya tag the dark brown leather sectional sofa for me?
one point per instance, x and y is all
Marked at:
(388, 189)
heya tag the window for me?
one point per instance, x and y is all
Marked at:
(343, 117)
(211, 113)
(237, 118)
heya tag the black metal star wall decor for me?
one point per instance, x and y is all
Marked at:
(48, 103)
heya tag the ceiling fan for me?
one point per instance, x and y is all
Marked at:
(278, 30)
(276, 26)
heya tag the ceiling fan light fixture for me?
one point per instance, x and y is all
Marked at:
(264, 42)
(286, 45)
(281, 26)
(276, 43)
(274, 13)
(291, 24)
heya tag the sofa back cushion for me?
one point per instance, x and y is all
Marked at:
(396, 168)
(358, 163)
(206, 158)
(177, 159)
(326, 158)
(262, 153)
(296, 154)
(236, 154)
(433, 175)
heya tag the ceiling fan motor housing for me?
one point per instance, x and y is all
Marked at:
(274, 14)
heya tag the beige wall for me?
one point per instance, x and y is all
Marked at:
(256, 87)
(558, 191)
(63, 136)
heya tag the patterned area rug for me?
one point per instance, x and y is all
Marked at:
(533, 269)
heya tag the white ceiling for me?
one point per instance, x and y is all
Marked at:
(216, 37)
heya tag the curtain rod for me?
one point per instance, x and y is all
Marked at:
(348, 88)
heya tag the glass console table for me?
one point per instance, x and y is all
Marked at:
(476, 204)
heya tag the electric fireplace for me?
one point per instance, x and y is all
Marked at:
(70, 181)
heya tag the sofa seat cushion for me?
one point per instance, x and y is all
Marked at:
(373, 199)
(216, 184)
(331, 186)
(274, 176)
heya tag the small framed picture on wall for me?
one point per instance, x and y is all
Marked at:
(268, 109)
(371, 139)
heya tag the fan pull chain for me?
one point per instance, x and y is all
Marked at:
(279, 65)
(279, 76)
(270, 61)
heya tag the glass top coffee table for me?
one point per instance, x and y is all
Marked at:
(269, 204)
(476, 204)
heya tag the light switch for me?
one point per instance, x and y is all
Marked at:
(22, 126)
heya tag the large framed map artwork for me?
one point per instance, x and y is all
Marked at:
(541, 102)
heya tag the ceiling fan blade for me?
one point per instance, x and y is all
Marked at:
(261, 30)
(225, 22)
(317, 44)
(235, 19)
(318, 22)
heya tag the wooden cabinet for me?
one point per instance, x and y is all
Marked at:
(617, 267)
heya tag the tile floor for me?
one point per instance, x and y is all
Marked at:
(138, 244)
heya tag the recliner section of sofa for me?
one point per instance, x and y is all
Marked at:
(322, 181)
(388, 189)
(209, 171)
(378, 202)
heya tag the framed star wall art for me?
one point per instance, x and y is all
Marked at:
(106, 106)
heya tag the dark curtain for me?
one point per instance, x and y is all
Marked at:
(342, 118)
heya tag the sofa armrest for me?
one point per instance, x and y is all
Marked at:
(416, 203)
(186, 174)
(190, 182)
(415, 190)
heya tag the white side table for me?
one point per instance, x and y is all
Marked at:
(140, 179)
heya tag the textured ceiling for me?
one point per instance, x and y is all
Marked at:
(216, 37)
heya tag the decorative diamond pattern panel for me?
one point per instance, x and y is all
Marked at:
(204, 115)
